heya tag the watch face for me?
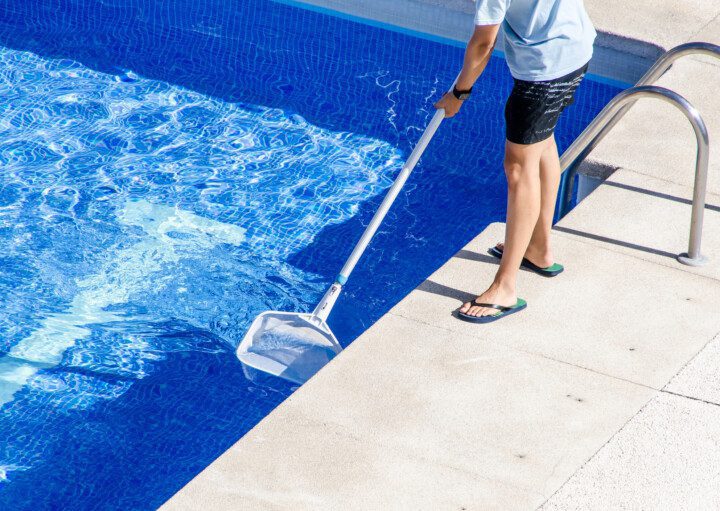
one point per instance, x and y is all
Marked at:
(464, 95)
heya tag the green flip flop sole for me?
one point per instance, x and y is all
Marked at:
(550, 271)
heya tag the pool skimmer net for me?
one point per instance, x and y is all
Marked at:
(294, 346)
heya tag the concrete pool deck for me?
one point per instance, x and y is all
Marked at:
(603, 394)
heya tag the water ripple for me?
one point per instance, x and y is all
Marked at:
(142, 219)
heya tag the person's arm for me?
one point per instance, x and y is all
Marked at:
(477, 55)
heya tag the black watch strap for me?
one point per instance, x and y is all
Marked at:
(461, 94)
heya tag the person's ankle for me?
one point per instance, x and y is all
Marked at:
(541, 252)
(539, 247)
(504, 286)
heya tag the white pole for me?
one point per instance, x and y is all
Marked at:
(325, 306)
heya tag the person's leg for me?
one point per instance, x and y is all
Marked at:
(533, 173)
(539, 251)
(522, 169)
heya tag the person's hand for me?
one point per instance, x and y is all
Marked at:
(450, 104)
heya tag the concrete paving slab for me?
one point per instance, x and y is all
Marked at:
(710, 32)
(333, 470)
(597, 314)
(700, 379)
(647, 218)
(667, 457)
(666, 23)
(447, 421)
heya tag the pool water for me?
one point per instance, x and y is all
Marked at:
(168, 170)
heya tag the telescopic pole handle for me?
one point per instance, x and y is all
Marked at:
(323, 308)
(390, 197)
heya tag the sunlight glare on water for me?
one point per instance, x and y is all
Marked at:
(133, 210)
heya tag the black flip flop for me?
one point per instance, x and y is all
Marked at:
(504, 311)
(550, 271)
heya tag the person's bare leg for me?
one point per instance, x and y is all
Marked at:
(539, 251)
(522, 169)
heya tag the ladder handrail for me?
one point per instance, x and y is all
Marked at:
(666, 59)
(656, 71)
(595, 132)
(618, 107)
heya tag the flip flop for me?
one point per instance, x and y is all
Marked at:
(504, 311)
(550, 271)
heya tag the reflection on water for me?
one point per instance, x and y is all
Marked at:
(134, 211)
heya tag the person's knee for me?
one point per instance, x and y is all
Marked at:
(521, 171)
(522, 164)
(515, 172)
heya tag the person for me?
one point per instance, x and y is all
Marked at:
(547, 45)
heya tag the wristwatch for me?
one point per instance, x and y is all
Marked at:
(462, 95)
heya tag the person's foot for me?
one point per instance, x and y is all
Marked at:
(539, 257)
(495, 294)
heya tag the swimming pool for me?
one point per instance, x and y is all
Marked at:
(169, 170)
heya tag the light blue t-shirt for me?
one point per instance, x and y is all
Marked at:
(544, 39)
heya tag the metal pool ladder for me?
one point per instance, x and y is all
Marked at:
(618, 107)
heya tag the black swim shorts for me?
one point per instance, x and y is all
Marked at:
(533, 108)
